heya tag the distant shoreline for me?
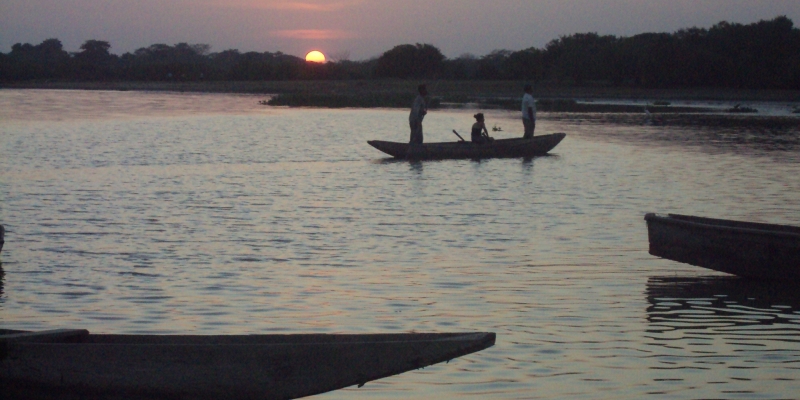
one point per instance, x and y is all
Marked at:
(442, 89)
(459, 94)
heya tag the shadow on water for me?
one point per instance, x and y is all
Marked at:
(391, 160)
(416, 166)
(388, 161)
(415, 163)
(742, 308)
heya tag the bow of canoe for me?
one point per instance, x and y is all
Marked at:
(215, 367)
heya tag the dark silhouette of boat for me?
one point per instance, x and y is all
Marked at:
(747, 249)
(539, 145)
(739, 109)
(216, 367)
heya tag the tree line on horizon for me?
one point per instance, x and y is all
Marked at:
(761, 55)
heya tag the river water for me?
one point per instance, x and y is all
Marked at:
(170, 213)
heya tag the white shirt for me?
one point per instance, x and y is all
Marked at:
(528, 102)
(417, 109)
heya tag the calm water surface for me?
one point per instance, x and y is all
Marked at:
(158, 213)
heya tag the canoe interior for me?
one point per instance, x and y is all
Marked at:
(216, 366)
(747, 249)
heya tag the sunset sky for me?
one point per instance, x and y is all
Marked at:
(360, 29)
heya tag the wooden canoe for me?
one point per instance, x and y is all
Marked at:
(747, 249)
(217, 367)
(537, 146)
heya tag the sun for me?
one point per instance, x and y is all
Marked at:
(315, 56)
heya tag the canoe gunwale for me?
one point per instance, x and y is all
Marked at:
(746, 249)
(682, 220)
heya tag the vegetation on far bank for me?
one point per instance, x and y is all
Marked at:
(759, 56)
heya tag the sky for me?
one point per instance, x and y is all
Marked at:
(361, 29)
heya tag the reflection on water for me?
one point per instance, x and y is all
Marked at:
(742, 335)
(736, 308)
(211, 214)
(712, 133)
(50, 105)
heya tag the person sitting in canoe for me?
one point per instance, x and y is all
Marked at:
(479, 132)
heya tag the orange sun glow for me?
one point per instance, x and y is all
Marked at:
(315, 56)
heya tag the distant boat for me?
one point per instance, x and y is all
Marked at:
(518, 147)
(215, 367)
(747, 249)
(739, 109)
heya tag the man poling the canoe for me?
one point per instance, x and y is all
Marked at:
(528, 112)
(418, 110)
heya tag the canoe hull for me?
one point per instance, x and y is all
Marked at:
(752, 250)
(501, 148)
(225, 367)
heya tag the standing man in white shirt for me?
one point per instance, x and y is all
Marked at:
(528, 112)
(418, 111)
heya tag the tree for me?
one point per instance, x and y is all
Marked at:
(94, 62)
(95, 50)
(47, 60)
(410, 61)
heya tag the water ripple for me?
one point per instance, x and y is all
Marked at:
(209, 214)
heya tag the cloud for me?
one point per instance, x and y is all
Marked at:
(312, 34)
(295, 5)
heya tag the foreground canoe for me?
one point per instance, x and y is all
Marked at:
(537, 146)
(747, 249)
(217, 367)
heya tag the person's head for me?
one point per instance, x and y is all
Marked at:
(528, 88)
(423, 90)
(478, 117)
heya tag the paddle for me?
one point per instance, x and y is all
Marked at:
(459, 136)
